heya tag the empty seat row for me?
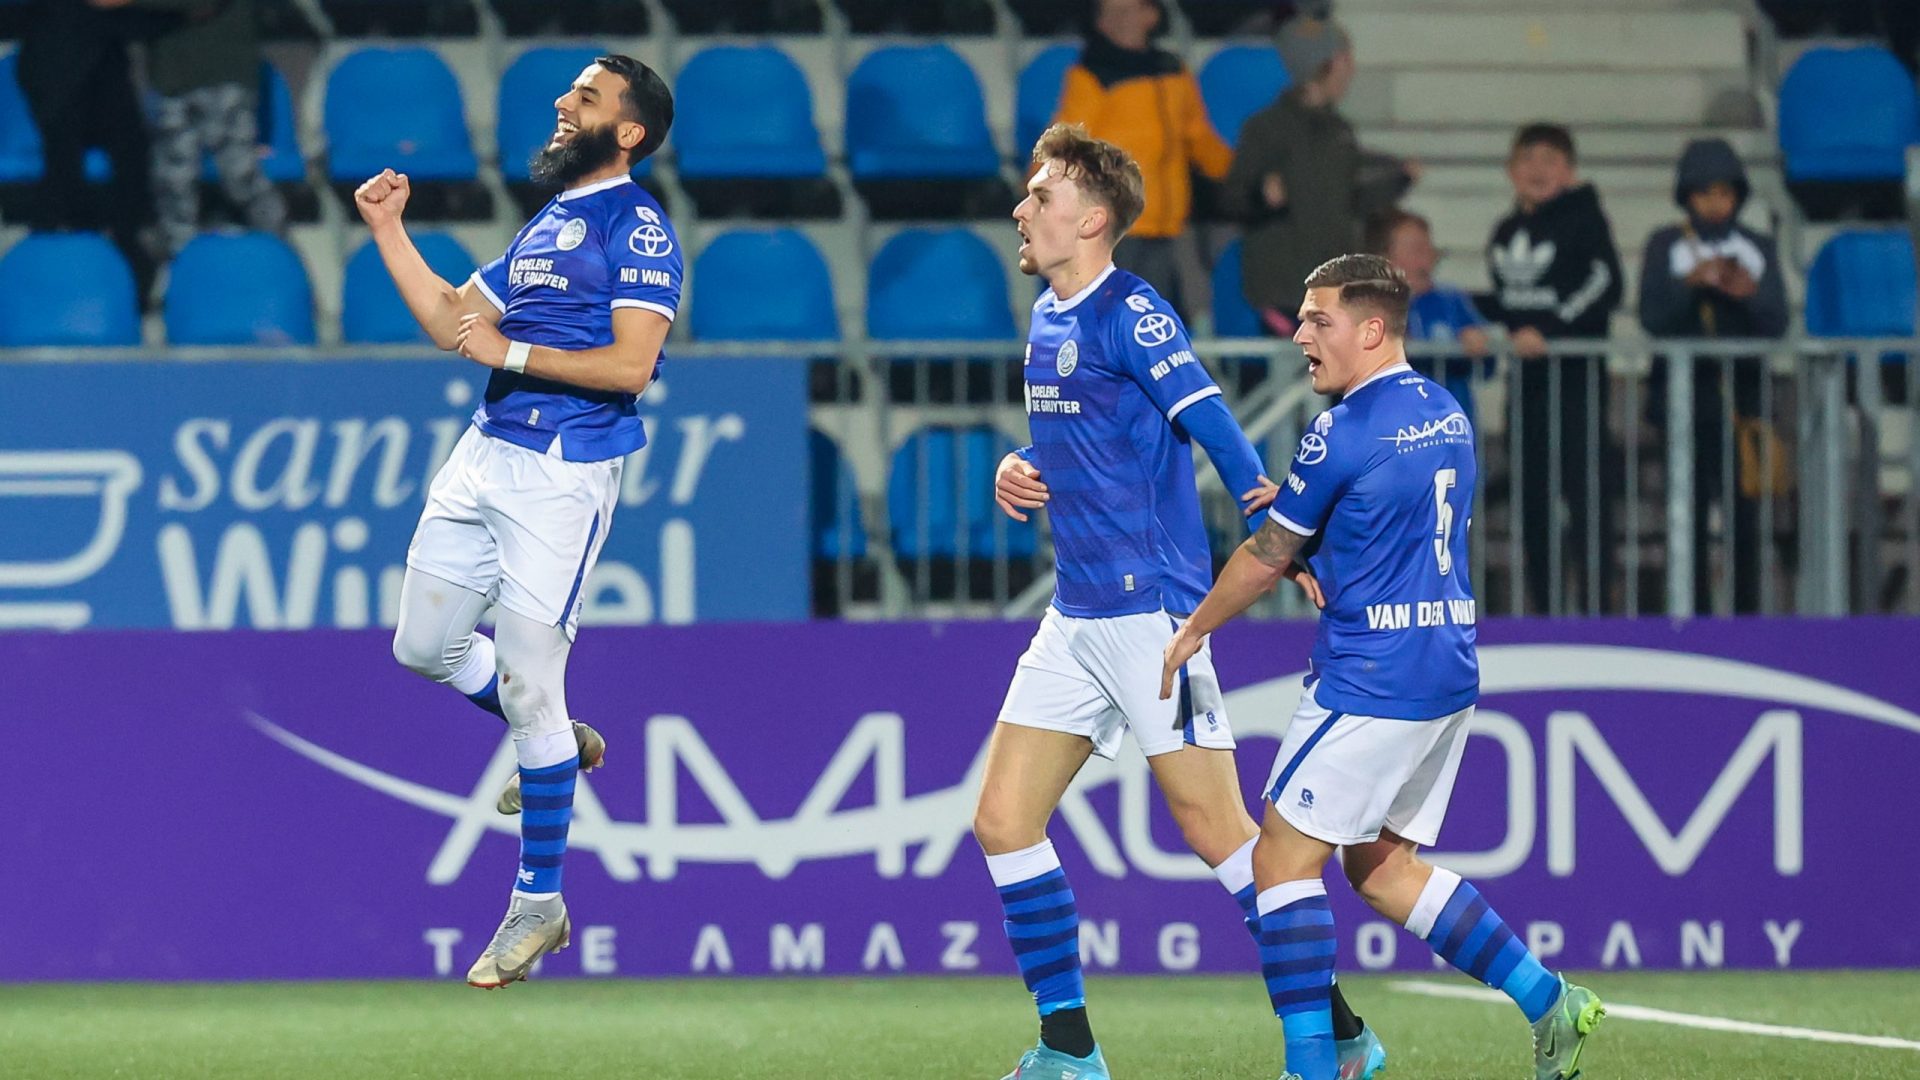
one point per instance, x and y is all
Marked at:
(743, 111)
(747, 285)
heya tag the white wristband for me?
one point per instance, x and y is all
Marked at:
(517, 356)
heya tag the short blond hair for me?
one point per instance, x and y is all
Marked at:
(1105, 173)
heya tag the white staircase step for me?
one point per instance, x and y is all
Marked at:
(1560, 40)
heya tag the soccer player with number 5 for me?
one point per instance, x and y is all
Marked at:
(1385, 479)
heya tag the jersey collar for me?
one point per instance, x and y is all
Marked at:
(582, 192)
(1073, 301)
(1378, 375)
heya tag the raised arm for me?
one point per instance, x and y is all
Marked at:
(437, 306)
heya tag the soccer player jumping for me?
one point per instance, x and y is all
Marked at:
(571, 320)
(1115, 398)
(1385, 479)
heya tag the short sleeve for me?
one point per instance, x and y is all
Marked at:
(491, 280)
(644, 261)
(1153, 350)
(1320, 471)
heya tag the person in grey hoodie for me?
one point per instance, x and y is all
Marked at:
(1709, 276)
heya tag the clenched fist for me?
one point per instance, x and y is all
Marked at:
(382, 198)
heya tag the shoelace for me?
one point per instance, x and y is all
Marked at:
(515, 930)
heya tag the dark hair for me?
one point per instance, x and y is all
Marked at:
(1553, 135)
(1382, 226)
(1102, 170)
(1367, 281)
(646, 100)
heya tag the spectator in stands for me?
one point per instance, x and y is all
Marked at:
(1710, 276)
(1300, 181)
(77, 76)
(1437, 314)
(1556, 274)
(1145, 101)
(205, 71)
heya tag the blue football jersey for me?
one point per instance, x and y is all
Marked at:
(1386, 479)
(587, 252)
(1108, 371)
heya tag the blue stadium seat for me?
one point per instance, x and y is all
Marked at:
(67, 289)
(835, 502)
(396, 108)
(239, 289)
(1232, 315)
(745, 111)
(371, 309)
(527, 91)
(1239, 81)
(937, 284)
(278, 132)
(20, 161)
(958, 495)
(1847, 114)
(762, 286)
(1037, 97)
(915, 112)
(1862, 284)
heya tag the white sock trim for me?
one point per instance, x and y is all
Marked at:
(1014, 867)
(1433, 901)
(476, 668)
(541, 751)
(535, 896)
(1288, 892)
(1236, 870)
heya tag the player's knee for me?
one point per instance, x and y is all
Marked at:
(1212, 831)
(426, 658)
(1377, 877)
(1000, 831)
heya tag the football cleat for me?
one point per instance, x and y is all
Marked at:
(532, 929)
(1043, 1062)
(593, 751)
(1559, 1036)
(1361, 1057)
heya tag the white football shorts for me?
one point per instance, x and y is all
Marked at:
(1100, 677)
(1342, 778)
(519, 526)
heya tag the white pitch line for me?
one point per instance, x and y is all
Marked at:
(1677, 1019)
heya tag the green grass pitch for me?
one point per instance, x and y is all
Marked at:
(969, 1029)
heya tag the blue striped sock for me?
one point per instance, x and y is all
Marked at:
(546, 809)
(1456, 921)
(1296, 956)
(1043, 925)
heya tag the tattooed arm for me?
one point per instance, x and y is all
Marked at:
(1255, 569)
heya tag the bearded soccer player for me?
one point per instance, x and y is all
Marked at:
(571, 321)
(1115, 399)
(1385, 479)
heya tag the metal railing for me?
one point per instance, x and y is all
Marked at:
(1618, 477)
(1624, 477)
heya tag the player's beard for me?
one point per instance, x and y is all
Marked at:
(590, 150)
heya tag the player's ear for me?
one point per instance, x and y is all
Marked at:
(1373, 332)
(630, 134)
(1095, 221)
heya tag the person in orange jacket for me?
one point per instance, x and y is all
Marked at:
(1144, 100)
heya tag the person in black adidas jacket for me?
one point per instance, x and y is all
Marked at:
(1556, 274)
